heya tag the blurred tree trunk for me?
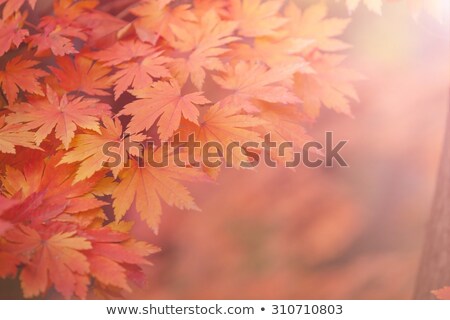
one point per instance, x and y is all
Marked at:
(434, 271)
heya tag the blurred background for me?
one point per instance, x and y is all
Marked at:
(339, 233)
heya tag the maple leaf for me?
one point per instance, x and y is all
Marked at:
(11, 32)
(56, 36)
(82, 74)
(156, 16)
(257, 18)
(442, 294)
(273, 52)
(88, 149)
(12, 6)
(330, 85)
(259, 82)
(146, 186)
(20, 74)
(123, 51)
(313, 24)
(200, 45)
(73, 9)
(137, 63)
(63, 115)
(112, 255)
(285, 124)
(48, 190)
(12, 135)
(226, 126)
(49, 256)
(162, 100)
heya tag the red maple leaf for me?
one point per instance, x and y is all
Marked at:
(62, 114)
(163, 101)
(11, 32)
(20, 74)
(82, 74)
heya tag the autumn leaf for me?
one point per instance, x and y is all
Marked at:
(284, 51)
(62, 114)
(82, 74)
(113, 254)
(50, 257)
(312, 23)
(88, 149)
(137, 65)
(57, 36)
(73, 9)
(165, 102)
(226, 126)
(12, 6)
(249, 81)
(11, 32)
(257, 18)
(48, 190)
(156, 16)
(123, 51)
(12, 135)
(284, 124)
(331, 85)
(201, 43)
(20, 74)
(146, 186)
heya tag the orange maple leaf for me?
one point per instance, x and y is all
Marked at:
(63, 115)
(273, 52)
(249, 81)
(257, 18)
(146, 186)
(330, 85)
(200, 45)
(312, 23)
(50, 257)
(82, 74)
(88, 149)
(73, 9)
(162, 100)
(57, 36)
(137, 64)
(11, 32)
(52, 187)
(20, 74)
(156, 16)
(285, 124)
(226, 126)
(112, 255)
(12, 135)
(12, 6)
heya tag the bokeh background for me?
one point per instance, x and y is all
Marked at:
(339, 233)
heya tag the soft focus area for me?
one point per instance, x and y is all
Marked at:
(337, 233)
